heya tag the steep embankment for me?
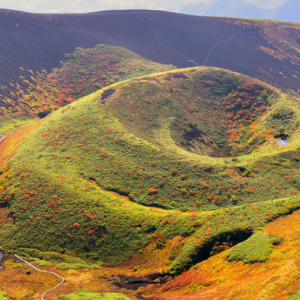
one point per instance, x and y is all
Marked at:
(155, 139)
(263, 49)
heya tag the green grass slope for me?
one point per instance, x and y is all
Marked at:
(3, 295)
(194, 150)
(93, 296)
(255, 249)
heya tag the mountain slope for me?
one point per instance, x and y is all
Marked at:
(217, 278)
(254, 48)
(56, 195)
(82, 72)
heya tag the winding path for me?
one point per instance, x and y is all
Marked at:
(215, 46)
(35, 268)
(3, 137)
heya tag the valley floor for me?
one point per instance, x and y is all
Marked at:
(214, 278)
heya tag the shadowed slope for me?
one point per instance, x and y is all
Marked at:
(82, 72)
(36, 42)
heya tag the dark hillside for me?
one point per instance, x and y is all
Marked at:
(266, 50)
(81, 73)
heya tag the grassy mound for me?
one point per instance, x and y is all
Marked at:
(205, 111)
(255, 249)
(127, 138)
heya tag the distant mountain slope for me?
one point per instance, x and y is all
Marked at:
(265, 50)
(80, 73)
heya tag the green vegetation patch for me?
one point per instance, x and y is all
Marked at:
(86, 295)
(77, 266)
(255, 249)
(296, 296)
(3, 296)
(49, 256)
(63, 261)
(10, 123)
(288, 46)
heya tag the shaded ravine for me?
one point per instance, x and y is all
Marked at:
(42, 271)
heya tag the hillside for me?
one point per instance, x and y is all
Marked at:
(127, 175)
(265, 50)
(165, 161)
(82, 72)
(215, 278)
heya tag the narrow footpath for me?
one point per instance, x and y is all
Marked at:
(37, 269)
